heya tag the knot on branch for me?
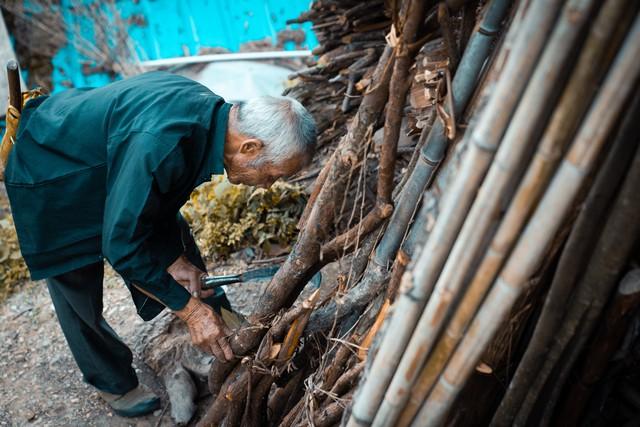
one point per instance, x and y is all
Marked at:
(385, 210)
(349, 157)
(392, 37)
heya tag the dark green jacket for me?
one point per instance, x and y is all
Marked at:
(103, 172)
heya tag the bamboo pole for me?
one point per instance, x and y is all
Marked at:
(436, 144)
(416, 234)
(584, 233)
(608, 259)
(603, 347)
(503, 172)
(574, 101)
(527, 46)
(540, 230)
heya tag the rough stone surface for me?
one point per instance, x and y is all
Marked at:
(40, 383)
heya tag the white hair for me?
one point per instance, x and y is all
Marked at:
(283, 125)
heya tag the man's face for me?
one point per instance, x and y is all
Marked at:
(262, 174)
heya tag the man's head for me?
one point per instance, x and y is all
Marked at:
(268, 138)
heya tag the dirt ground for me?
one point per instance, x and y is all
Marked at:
(40, 383)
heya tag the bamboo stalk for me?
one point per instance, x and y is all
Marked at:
(609, 257)
(574, 101)
(582, 238)
(527, 46)
(503, 172)
(540, 230)
(434, 148)
(603, 348)
(416, 233)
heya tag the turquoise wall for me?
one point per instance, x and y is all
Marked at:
(173, 26)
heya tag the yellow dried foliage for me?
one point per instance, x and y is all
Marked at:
(225, 218)
(12, 266)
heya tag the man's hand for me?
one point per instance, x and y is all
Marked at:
(189, 276)
(208, 330)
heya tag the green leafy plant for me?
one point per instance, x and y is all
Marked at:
(225, 218)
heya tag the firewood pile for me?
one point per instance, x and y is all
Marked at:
(352, 37)
(498, 244)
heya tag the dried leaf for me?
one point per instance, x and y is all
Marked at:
(226, 218)
(12, 267)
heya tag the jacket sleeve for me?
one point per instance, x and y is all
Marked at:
(130, 241)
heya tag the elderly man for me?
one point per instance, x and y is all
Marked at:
(103, 173)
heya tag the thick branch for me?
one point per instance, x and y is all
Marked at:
(348, 241)
(398, 92)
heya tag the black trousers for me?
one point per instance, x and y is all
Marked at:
(103, 359)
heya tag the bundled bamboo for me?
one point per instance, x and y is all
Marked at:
(411, 331)
(504, 169)
(486, 134)
(541, 227)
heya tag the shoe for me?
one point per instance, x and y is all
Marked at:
(139, 401)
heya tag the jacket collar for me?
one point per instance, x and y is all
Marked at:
(214, 163)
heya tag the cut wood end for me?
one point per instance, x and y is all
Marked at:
(275, 349)
(310, 302)
(630, 283)
(483, 368)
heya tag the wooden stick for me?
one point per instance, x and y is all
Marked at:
(603, 347)
(346, 381)
(544, 223)
(346, 242)
(332, 373)
(298, 269)
(528, 44)
(518, 140)
(447, 35)
(397, 93)
(281, 397)
(579, 91)
(13, 77)
(330, 414)
(603, 269)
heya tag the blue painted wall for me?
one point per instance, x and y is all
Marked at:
(175, 26)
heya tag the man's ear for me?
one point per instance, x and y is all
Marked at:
(251, 146)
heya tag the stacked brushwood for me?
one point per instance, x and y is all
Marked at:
(472, 175)
(352, 37)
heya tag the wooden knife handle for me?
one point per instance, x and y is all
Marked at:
(13, 76)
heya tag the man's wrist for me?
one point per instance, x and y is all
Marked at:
(192, 306)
